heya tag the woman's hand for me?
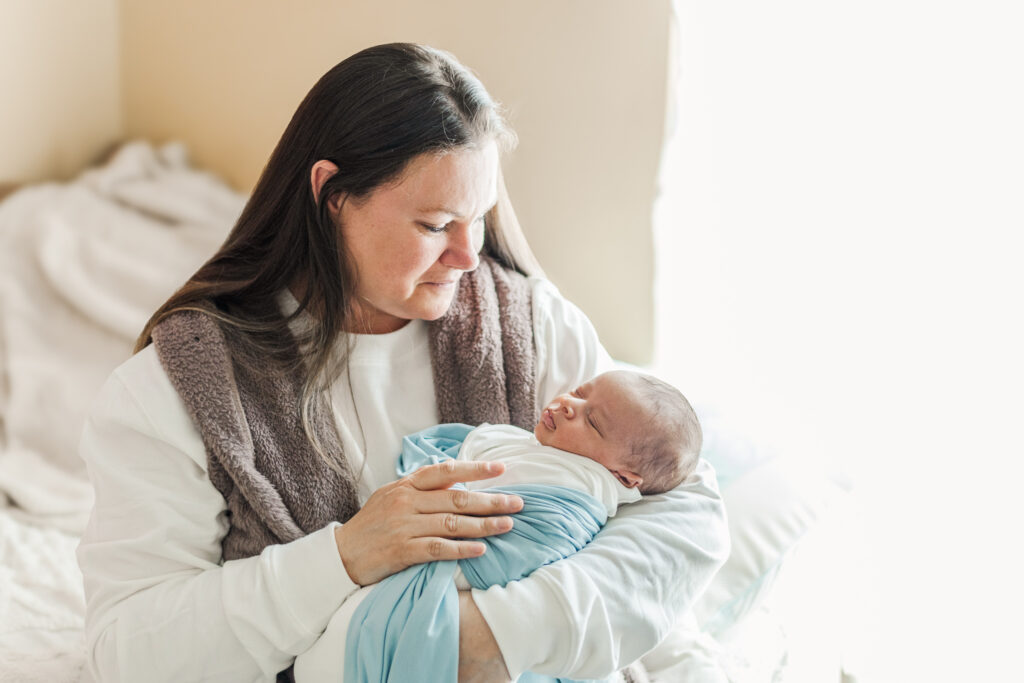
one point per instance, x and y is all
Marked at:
(480, 660)
(413, 520)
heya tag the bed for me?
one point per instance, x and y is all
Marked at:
(83, 263)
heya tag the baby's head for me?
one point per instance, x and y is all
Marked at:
(641, 428)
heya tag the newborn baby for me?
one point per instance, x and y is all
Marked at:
(635, 427)
(615, 437)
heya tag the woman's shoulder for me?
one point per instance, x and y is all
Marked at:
(138, 396)
(541, 287)
(550, 306)
(140, 376)
(556, 320)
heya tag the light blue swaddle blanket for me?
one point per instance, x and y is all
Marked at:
(407, 628)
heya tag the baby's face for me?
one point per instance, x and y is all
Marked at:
(596, 420)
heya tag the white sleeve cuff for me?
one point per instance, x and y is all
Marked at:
(312, 577)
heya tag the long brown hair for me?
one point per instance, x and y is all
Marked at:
(370, 115)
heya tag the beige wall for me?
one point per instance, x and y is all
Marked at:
(584, 82)
(59, 85)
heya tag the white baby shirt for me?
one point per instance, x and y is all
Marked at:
(527, 461)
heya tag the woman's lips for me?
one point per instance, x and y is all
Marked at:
(442, 285)
(548, 419)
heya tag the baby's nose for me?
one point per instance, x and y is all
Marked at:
(563, 403)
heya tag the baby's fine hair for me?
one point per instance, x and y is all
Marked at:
(668, 444)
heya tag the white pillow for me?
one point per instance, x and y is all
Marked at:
(770, 508)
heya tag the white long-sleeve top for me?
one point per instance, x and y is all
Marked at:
(162, 605)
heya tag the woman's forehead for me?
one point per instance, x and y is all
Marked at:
(459, 182)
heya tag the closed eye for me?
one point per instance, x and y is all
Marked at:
(444, 228)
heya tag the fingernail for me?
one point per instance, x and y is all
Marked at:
(505, 523)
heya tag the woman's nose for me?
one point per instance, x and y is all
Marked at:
(463, 250)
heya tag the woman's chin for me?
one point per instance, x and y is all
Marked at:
(436, 307)
(433, 313)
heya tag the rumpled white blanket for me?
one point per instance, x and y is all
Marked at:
(41, 604)
(82, 266)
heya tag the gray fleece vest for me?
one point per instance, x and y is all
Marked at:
(246, 409)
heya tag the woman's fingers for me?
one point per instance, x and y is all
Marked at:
(427, 549)
(449, 525)
(420, 518)
(443, 475)
(466, 502)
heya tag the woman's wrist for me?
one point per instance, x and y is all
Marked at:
(340, 544)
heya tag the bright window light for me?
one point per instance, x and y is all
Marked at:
(841, 266)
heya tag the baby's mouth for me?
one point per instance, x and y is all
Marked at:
(548, 419)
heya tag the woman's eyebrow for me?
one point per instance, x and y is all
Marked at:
(441, 209)
(452, 212)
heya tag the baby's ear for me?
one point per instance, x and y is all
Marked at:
(629, 479)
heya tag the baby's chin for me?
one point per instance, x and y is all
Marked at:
(541, 433)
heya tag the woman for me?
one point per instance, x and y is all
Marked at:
(243, 461)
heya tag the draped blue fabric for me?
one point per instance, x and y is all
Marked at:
(407, 628)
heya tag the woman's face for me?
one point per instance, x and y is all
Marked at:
(412, 239)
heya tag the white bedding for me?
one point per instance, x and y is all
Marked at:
(41, 603)
(82, 265)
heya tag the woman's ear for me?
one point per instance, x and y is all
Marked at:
(318, 175)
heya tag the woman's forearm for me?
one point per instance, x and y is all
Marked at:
(480, 660)
(255, 614)
(607, 605)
